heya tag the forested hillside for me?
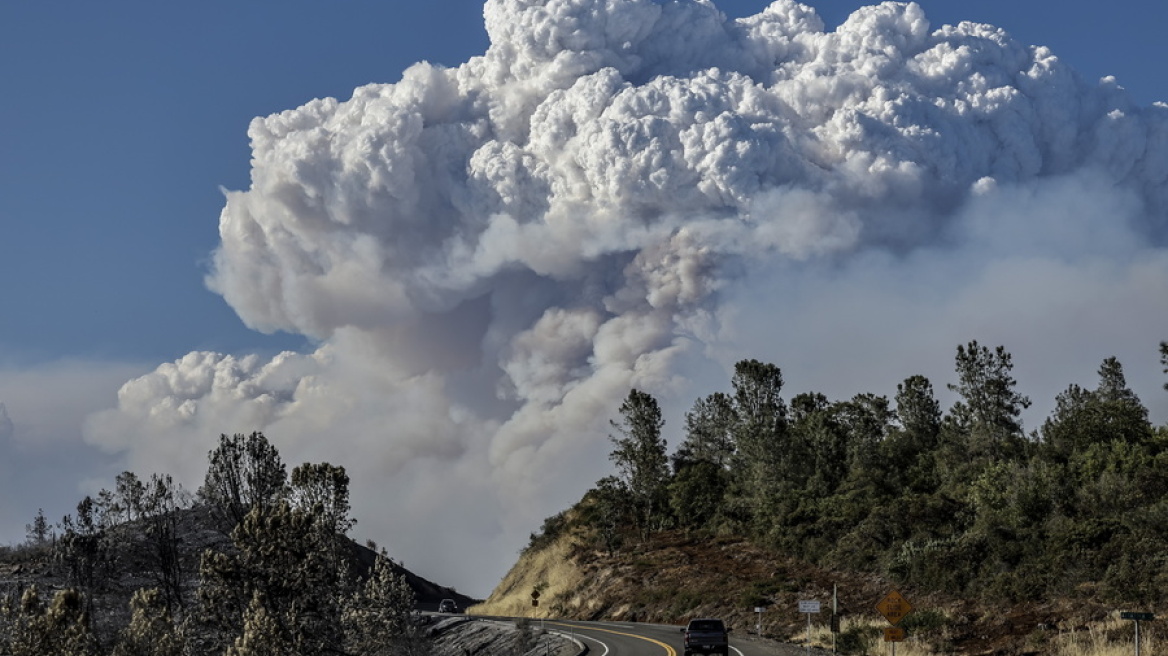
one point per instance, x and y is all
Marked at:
(257, 562)
(959, 502)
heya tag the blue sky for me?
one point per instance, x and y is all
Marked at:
(123, 121)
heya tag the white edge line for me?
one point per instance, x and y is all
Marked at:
(599, 642)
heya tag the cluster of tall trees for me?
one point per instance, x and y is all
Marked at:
(284, 582)
(961, 500)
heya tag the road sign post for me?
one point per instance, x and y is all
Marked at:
(808, 607)
(758, 624)
(835, 627)
(1137, 618)
(535, 604)
(894, 607)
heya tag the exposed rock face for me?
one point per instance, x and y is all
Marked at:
(471, 637)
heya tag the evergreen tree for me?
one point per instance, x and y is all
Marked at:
(816, 431)
(38, 531)
(160, 507)
(151, 631)
(1082, 418)
(245, 472)
(379, 618)
(262, 634)
(607, 508)
(1164, 359)
(761, 412)
(912, 448)
(988, 414)
(281, 563)
(83, 550)
(62, 629)
(768, 466)
(696, 492)
(129, 492)
(640, 458)
(867, 420)
(323, 489)
(709, 431)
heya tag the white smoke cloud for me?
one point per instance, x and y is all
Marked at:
(623, 193)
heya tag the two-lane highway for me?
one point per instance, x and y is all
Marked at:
(636, 639)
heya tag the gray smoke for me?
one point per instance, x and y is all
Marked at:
(624, 193)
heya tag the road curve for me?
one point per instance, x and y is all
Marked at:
(637, 639)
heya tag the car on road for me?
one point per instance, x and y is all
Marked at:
(447, 606)
(707, 635)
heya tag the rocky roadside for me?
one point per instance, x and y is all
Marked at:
(469, 636)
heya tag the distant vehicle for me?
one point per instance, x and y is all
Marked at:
(706, 636)
(447, 606)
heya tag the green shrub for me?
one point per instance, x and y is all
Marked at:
(857, 640)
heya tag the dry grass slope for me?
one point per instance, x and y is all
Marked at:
(551, 570)
(675, 577)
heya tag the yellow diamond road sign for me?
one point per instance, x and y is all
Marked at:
(894, 607)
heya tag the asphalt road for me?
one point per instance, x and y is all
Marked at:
(636, 639)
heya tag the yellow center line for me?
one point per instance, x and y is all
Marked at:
(668, 650)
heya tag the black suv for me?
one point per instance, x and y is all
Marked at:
(447, 606)
(706, 636)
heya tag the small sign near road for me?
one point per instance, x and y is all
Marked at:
(894, 634)
(1137, 618)
(894, 607)
(808, 606)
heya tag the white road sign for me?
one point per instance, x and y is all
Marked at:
(808, 606)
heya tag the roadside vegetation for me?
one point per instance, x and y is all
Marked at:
(255, 563)
(1057, 525)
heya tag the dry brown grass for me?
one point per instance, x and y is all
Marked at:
(821, 636)
(552, 570)
(677, 576)
(1113, 637)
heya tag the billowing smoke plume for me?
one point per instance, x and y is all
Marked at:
(624, 193)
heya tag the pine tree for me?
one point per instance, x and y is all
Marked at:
(282, 556)
(379, 617)
(38, 531)
(913, 446)
(151, 631)
(1110, 412)
(160, 507)
(640, 458)
(1164, 359)
(262, 634)
(129, 492)
(989, 411)
(709, 431)
(62, 629)
(244, 472)
(768, 463)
